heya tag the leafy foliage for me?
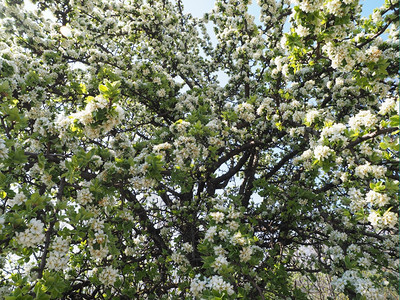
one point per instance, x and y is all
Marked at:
(128, 170)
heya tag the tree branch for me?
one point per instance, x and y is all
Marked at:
(282, 162)
(371, 136)
(144, 219)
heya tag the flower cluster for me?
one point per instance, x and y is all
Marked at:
(18, 199)
(340, 55)
(364, 119)
(59, 257)
(226, 240)
(84, 196)
(376, 198)
(33, 235)
(334, 133)
(108, 276)
(321, 153)
(365, 170)
(98, 244)
(99, 116)
(363, 286)
(387, 220)
(215, 283)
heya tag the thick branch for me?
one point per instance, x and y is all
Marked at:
(247, 185)
(383, 29)
(371, 136)
(234, 152)
(281, 163)
(46, 247)
(231, 171)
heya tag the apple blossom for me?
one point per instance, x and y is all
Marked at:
(142, 157)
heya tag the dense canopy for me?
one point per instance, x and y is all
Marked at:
(142, 159)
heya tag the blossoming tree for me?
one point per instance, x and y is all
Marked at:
(129, 171)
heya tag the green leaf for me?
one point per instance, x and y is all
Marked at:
(13, 114)
(383, 145)
(103, 88)
(394, 121)
(41, 161)
(42, 296)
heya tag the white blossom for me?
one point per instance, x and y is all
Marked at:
(389, 219)
(387, 106)
(66, 31)
(219, 263)
(108, 276)
(84, 196)
(217, 216)
(238, 239)
(374, 53)
(245, 254)
(374, 218)
(302, 31)
(322, 152)
(57, 261)
(363, 118)
(18, 199)
(33, 235)
(161, 93)
(218, 284)
(210, 233)
(377, 198)
(188, 248)
(197, 286)
(312, 115)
